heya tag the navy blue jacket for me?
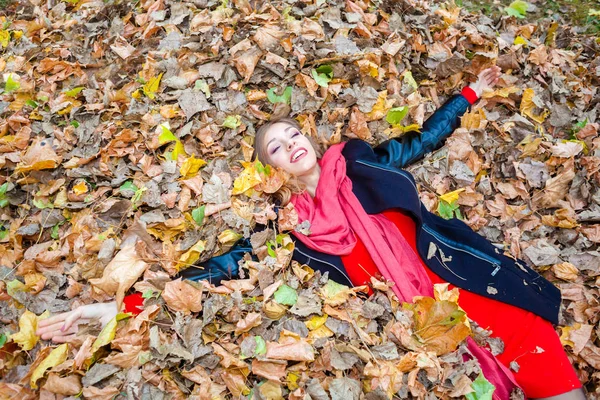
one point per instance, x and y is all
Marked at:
(449, 247)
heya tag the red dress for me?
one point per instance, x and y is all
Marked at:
(530, 340)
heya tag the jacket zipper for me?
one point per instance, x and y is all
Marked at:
(324, 262)
(471, 251)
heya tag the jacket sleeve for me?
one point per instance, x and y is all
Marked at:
(411, 147)
(220, 267)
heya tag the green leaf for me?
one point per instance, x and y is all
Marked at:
(75, 124)
(332, 288)
(31, 103)
(202, 85)
(446, 210)
(286, 97)
(3, 340)
(74, 92)
(3, 203)
(517, 8)
(410, 80)
(198, 214)
(483, 389)
(41, 204)
(286, 295)
(11, 84)
(271, 249)
(166, 136)
(148, 294)
(3, 188)
(128, 185)
(3, 232)
(54, 232)
(232, 121)
(322, 75)
(137, 196)
(396, 115)
(261, 346)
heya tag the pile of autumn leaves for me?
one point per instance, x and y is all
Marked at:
(281, 332)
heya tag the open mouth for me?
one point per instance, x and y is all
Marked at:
(298, 154)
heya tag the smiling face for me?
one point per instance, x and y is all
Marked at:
(285, 147)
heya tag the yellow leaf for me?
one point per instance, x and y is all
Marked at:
(137, 94)
(451, 197)
(191, 166)
(292, 380)
(80, 188)
(502, 92)
(594, 13)
(56, 356)
(191, 256)
(229, 237)
(4, 38)
(177, 150)
(367, 67)
(528, 106)
(17, 34)
(108, 332)
(520, 40)
(381, 107)
(247, 179)
(474, 120)
(321, 332)
(316, 321)
(151, 87)
(26, 337)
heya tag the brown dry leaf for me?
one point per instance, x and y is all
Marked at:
(358, 125)
(440, 326)
(273, 370)
(39, 155)
(298, 350)
(182, 296)
(592, 232)
(556, 188)
(121, 273)
(244, 325)
(566, 271)
(67, 386)
(94, 393)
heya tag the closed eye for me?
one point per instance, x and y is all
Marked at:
(274, 150)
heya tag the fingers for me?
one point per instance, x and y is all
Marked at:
(53, 320)
(63, 339)
(55, 333)
(72, 318)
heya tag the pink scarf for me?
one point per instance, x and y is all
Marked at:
(336, 215)
(332, 232)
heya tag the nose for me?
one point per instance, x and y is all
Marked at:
(290, 144)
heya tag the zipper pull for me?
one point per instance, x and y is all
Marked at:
(495, 271)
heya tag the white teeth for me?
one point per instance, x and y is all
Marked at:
(298, 154)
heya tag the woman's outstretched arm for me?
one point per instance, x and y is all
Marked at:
(64, 327)
(413, 146)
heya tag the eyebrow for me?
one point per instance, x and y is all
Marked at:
(286, 129)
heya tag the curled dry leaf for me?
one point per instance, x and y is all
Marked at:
(182, 296)
(121, 273)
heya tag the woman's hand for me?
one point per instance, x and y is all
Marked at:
(487, 79)
(63, 327)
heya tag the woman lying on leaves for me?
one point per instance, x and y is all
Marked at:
(366, 219)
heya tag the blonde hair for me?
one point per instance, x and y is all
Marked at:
(292, 185)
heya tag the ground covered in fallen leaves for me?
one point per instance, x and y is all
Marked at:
(126, 132)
